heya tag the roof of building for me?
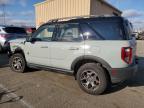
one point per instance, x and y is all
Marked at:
(108, 4)
(102, 1)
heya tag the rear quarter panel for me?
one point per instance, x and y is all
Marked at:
(110, 51)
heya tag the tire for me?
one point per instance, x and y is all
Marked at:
(17, 63)
(92, 78)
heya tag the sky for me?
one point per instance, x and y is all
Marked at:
(132, 10)
(18, 12)
(22, 11)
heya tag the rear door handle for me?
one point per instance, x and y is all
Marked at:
(44, 47)
(74, 48)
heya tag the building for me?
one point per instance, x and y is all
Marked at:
(51, 9)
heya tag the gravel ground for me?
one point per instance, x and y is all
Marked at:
(43, 89)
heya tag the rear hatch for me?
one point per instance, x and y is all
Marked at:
(14, 33)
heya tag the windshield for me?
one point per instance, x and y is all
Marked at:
(108, 30)
(16, 30)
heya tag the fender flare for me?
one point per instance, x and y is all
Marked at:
(94, 58)
(19, 50)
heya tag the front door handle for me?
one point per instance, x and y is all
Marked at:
(44, 47)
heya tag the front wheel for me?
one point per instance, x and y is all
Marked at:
(92, 78)
(17, 63)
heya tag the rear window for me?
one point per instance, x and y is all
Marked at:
(16, 30)
(108, 30)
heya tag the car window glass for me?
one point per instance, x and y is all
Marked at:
(109, 30)
(88, 33)
(69, 32)
(46, 34)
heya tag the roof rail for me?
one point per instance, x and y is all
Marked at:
(77, 17)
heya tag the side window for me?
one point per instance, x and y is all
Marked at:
(88, 33)
(69, 33)
(46, 33)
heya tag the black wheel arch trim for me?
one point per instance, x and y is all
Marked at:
(19, 50)
(94, 58)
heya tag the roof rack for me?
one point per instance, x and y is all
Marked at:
(77, 17)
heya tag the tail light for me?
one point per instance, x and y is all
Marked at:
(126, 55)
(4, 35)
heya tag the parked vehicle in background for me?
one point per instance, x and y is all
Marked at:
(140, 36)
(8, 33)
(98, 51)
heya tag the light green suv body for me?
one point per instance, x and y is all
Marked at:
(115, 56)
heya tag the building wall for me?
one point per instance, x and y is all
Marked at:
(60, 8)
(51, 9)
(100, 8)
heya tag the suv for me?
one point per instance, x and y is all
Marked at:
(8, 33)
(98, 51)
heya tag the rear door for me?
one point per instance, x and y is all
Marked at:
(67, 46)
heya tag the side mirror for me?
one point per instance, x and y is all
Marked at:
(33, 40)
(28, 39)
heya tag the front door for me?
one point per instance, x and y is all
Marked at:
(38, 52)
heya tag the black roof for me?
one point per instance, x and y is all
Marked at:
(112, 18)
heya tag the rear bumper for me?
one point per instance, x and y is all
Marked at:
(122, 74)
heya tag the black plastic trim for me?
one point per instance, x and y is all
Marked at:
(42, 67)
(97, 59)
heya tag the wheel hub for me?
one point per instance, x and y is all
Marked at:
(17, 63)
(90, 80)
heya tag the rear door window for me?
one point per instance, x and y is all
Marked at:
(89, 33)
(69, 32)
(108, 30)
(16, 30)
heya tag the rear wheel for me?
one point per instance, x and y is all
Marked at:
(92, 78)
(17, 63)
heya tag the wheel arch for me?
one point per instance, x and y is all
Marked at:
(19, 50)
(87, 59)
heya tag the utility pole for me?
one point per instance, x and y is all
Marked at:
(4, 14)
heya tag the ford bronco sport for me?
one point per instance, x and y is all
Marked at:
(98, 50)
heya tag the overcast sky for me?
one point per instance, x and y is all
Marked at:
(22, 11)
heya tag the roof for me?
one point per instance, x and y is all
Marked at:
(103, 1)
(77, 20)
